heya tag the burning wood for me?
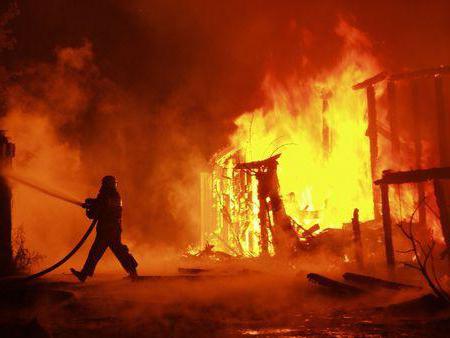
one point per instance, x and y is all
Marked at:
(357, 238)
(272, 214)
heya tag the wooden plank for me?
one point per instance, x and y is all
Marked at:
(413, 176)
(409, 75)
(373, 282)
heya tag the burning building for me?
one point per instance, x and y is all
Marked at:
(318, 128)
(318, 132)
(328, 144)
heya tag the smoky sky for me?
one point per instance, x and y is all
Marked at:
(207, 61)
(222, 50)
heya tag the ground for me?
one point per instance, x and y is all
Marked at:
(242, 302)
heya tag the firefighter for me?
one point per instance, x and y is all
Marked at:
(107, 210)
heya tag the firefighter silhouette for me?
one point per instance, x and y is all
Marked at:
(107, 210)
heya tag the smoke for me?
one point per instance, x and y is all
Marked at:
(148, 90)
(71, 127)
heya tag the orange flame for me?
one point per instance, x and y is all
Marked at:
(319, 126)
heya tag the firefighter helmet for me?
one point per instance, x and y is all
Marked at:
(109, 181)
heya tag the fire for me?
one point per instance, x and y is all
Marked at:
(318, 125)
(332, 183)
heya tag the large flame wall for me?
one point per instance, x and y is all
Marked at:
(312, 178)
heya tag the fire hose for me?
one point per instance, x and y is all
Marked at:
(76, 247)
(65, 258)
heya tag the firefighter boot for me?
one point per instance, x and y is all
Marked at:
(80, 275)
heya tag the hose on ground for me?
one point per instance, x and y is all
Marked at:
(65, 258)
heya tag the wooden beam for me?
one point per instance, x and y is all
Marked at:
(421, 73)
(387, 226)
(409, 75)
(371, 81)
(413, 176)
(270, 162)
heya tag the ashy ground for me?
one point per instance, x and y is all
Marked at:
(244, 302)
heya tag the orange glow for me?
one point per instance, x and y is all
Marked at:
(323, 175)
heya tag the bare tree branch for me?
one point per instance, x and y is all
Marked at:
(424, 257)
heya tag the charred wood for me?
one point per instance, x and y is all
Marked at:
(444, 216)
(371, 81)
(387, 226)
(421, 73)
(376, 282)
(284, 238)
(191, 271)
(357, 238)
(413, 176)
(334, 286)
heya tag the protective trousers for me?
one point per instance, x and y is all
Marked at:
(113, 241)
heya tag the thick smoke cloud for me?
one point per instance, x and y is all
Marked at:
(148, 90)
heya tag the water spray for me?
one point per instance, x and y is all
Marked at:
(45, 191)
(61, 197)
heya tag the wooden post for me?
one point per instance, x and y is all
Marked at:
(393, 119)
(444, 217)
(387, 226)
(206, 207)
(6, 255)
(357, 239)
(262, 216)
(326, 135)
(373, 138)
(417, 136)
(442, 123)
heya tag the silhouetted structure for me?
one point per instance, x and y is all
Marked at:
(413, 176)
(272, 214)
(416, 115)
(7, 151)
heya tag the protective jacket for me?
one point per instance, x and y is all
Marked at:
(107, 209)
